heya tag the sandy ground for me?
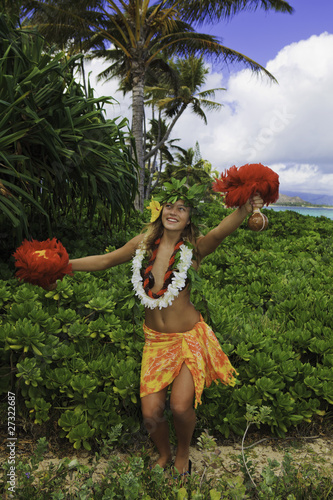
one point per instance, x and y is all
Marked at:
(317, 451)
(224, 460)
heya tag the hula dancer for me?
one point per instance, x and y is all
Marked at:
(180, 348)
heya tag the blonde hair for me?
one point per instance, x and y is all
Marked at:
(154, 230)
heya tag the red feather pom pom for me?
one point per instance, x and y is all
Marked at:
(241, 183)
(42, 262)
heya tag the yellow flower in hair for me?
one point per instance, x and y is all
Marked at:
(155, 208)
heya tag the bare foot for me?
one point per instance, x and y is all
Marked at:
(163, 461)
(182, 465)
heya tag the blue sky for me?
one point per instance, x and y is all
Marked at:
(262, 34)
(286, 126)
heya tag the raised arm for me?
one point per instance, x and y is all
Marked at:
(104, 261)
(208, 243)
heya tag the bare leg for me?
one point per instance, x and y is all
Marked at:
(181, 403)
(153, 416)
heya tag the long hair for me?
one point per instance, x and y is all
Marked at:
(154, 230)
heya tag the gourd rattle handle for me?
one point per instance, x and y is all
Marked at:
(258, 221)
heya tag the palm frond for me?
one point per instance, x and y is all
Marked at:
(216, 10)
(197, 110)
(209, 92)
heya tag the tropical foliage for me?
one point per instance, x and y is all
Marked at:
(190, 73)
(138, 36)
(58, 154)
(162, 155)
(171, 97)
(188, 163)
(72, 356)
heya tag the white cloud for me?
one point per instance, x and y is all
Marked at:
(287, 126)
(288, 123)
(122, 105)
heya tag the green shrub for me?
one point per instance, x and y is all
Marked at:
(73, 355)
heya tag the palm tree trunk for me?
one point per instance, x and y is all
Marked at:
(137, 126)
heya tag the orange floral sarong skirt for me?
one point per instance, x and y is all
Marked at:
(165, 353)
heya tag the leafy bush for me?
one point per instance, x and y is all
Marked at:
(73, 355)
(270, 302)
(76, 354)
(58, 153)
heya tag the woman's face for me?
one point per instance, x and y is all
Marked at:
(176, 216)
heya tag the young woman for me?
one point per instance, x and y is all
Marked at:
(180, 348)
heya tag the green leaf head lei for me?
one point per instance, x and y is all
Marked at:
(178, 190)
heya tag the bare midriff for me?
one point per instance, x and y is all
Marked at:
(181, 316)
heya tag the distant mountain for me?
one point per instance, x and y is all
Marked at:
(294, 198)
(290, 200)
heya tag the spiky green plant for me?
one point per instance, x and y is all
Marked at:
(57, 150)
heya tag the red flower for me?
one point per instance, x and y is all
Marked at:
(42, 262)
(241, 183)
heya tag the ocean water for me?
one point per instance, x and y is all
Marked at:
(313, 211)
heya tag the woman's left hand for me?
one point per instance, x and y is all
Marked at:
(253, 202)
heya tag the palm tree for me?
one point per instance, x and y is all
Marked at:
(190, 165)
(61, 25)
(12, 9)
(142, 33)
(173, 100)
(162, 155)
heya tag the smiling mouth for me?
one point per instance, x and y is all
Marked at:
(171, 219)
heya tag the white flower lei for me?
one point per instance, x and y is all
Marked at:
(177, 282)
